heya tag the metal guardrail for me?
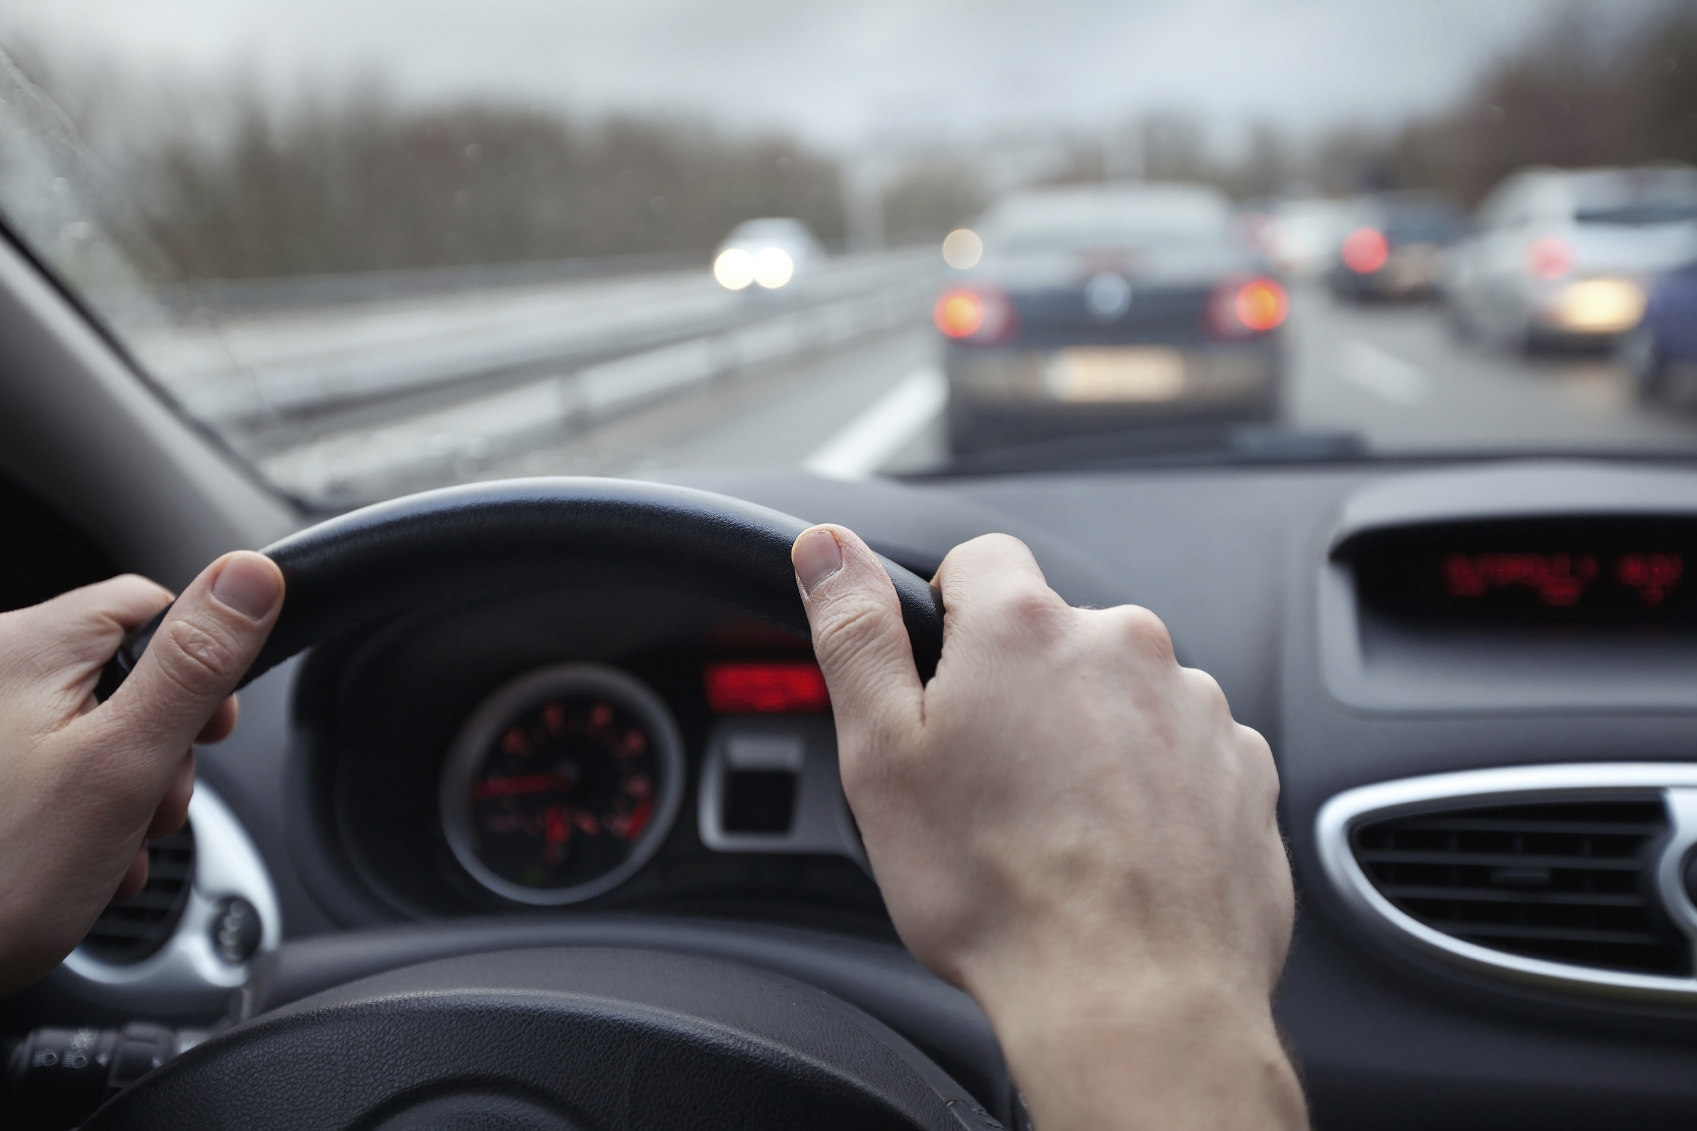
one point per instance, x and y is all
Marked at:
(249, 296)
(454, 442)
(292, 374)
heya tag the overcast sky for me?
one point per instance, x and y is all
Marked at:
(834, 70)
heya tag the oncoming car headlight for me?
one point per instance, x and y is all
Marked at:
(773, 267)
(734, 268)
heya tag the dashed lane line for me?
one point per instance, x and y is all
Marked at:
(889, 424)
(1383, 373)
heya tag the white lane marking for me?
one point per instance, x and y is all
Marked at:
(868, 441)
(1384, 374)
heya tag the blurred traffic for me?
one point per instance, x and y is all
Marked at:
(1396, 247)
(1567, 257)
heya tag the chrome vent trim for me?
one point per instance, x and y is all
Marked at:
(136, 928)
(186, 971)
(1673, 783)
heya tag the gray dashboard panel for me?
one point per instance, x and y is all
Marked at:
(1374, 666)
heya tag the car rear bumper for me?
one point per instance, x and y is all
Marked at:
(999, 396)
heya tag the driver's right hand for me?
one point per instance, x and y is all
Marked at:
(1070, 826)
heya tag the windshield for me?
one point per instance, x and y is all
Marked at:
(376, 247)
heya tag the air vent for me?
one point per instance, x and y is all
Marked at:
(1570, 882)
(135, 929)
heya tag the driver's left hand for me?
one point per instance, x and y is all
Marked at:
(82, 783)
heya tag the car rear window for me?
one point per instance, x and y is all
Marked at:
(1637, 197)
(1422, 225)
(1035, 226)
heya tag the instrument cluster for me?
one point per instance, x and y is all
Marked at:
(544, 753)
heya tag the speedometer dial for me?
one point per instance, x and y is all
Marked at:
(562, 784)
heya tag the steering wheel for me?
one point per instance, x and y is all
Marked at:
(556, 1036)
(486, 538)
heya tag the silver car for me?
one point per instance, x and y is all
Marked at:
(1566, 257)
(765, 255)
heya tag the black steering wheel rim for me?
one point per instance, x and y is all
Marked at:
(387, 558)
(555, 1039)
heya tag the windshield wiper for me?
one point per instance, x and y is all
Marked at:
(1192, 445)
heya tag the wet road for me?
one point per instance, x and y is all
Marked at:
(1398, 377)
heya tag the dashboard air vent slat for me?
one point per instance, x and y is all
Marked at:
(1566, 882)
(135, 929)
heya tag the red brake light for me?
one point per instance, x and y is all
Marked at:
(1365, 251)
(1241, 308)
(975, 314)
(1549, 258)
(767, 688)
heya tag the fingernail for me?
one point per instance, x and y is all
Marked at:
(816, 556)
(247, 586)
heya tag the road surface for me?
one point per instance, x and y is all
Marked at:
(1393, 375)
(645, 376)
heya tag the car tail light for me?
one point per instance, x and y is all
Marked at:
(1366, 250)
(1242, 308)
(1549, 258)
(974, 314)
(767, 688)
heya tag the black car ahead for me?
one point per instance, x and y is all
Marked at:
(1104, 308)
(1396, 247)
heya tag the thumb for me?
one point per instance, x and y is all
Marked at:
(858, 635)
(201, 651)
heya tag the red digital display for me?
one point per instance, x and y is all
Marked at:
(1560, 580)
(788, 687)
(1653, 575)
(1604, 571)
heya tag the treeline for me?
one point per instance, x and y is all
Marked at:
(229, 186)
(368, 186)
(1591, 86)
(1582, 91)
(928, 199)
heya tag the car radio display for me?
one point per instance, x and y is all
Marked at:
(1615, 571)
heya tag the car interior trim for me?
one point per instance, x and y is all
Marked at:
(1674, 782)
(805, 747)
(188, 968)
(96, 443)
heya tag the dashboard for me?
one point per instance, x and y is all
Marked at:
(1479, 681)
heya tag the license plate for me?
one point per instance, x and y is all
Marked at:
(1115, 374)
